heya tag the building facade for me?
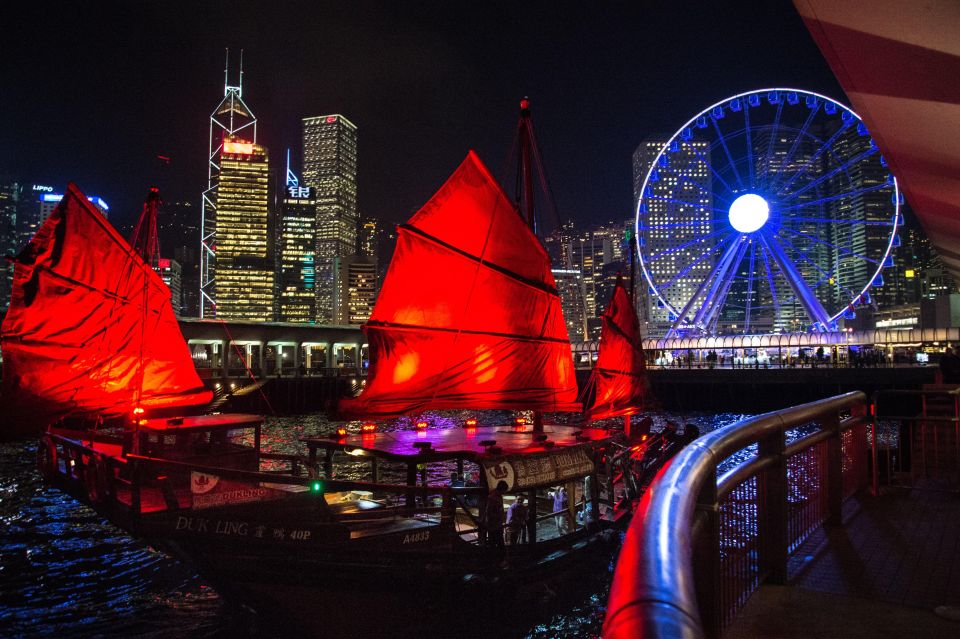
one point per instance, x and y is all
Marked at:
(171, 273)
(356, 290)
(296, 254)
(243, 258)
(330, 167)
(677, 242)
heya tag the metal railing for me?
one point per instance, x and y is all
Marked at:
(705, 536)
(927, 443)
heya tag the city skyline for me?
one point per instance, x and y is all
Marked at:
(436, 84)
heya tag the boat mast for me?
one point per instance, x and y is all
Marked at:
(146, 243)
(145, 240)
(529, 154)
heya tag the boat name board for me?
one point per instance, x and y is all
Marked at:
(530, 471)
(235, 528)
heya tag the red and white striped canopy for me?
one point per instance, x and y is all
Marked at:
(899, 63)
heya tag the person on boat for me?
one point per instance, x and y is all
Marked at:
(561, 504)
(493, 515)
(517, 521)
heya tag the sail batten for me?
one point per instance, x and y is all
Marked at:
(468, 315)
(516, 276)
(620, 373)
(90, 330)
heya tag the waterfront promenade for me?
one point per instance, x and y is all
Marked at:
(882, 574)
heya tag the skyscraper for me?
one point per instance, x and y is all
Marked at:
(231, 119)
(356, 290)
(296, 252)
(674, 244)
(330, 167)
(9, 198)
(171, 274)
(244, 270)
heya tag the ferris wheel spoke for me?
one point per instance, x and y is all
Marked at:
(689, 267)
(714, 275)
(685, 245)
(796, 143)
(726, 149)
(753, 261)
(717, 298)
(804, 256)
(770, 282)
(834, 198)
(746, 129)
(795, 280)
(718, 278)
(841, 249)
(768, 157)
(825, 220)
(703, 189)
(827, 176)
(719, 177)
(810, 162)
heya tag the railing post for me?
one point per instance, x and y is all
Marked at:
(706, 559)
(773, 515)
(834, 470)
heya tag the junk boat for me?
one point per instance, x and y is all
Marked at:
(92, 347)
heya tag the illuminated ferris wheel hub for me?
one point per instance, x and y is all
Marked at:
(749, 213)
(770, 211)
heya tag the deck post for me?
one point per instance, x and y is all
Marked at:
(706, 558)
(532, 517)
(772, 490)
(375, 469)
(328, 464)
(411, 482)
(834, 470)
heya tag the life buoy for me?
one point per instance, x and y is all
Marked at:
(95, 480)
(47, 458)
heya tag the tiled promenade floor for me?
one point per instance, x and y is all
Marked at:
(881, 575)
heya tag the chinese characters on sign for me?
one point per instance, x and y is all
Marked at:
(539, 470)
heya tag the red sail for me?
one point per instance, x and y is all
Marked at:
(469, 315)
(620, 373)
(90, 330)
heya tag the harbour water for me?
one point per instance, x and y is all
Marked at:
(66, 571)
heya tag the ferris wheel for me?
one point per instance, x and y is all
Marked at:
(769, 211)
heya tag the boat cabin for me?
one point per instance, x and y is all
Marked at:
(563, 476)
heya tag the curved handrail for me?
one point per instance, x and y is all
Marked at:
(653, 592)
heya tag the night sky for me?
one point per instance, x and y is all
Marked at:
(94, 91)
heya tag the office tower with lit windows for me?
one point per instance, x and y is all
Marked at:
(243, 259)
(172, 275)
(178, 226)
(9, 200)
(296, 251)
(356, 290)
(330, 167)
(570, 287)
(674, 245)
(234, 123)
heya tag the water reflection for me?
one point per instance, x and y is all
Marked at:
(66, 571)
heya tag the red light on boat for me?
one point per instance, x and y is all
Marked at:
(520, 421)
(471, 423)
(643, 438)
(138, 411)
(142, 422)
(341, 432)
(421, 425)
(368, 428)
